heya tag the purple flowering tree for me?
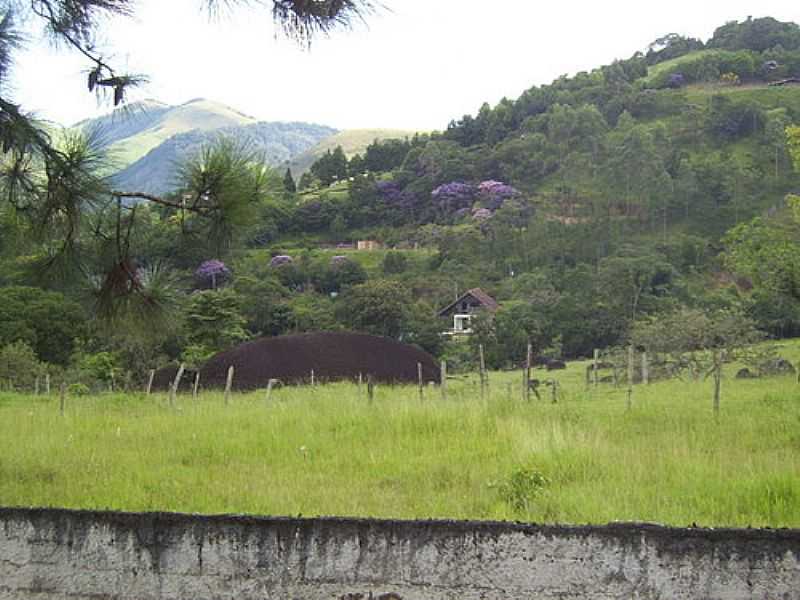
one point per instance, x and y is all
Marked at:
(676, 80)
(212, 273)
(280, 260)
(481, 214)
(453, 196)
(399, 201)
(494, 193)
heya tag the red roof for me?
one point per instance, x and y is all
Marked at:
(485, 300)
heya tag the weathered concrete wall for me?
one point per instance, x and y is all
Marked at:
(58, 554)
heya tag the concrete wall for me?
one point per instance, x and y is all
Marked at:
(58, 554)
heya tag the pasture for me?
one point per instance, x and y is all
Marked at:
(328, 450)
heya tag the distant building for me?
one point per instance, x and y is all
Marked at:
(368, 245)
(466, 306)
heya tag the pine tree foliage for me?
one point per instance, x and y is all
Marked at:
(56, 181)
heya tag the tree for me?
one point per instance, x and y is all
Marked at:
(394, 263)
(378, 307)
(214, 321)
(48, 322)
(57, 184)
(288, 182)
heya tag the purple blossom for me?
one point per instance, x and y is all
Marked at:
(676, 80)
(461, 213)
(280, 260)
(212, 272)
(494, 193)
(339, 260)
(454, 195)
(481, 214)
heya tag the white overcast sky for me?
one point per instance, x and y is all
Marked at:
(417, 65)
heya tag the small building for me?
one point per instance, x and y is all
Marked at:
(466, 306)
(368, 245)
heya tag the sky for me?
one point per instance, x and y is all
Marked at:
(415, 65)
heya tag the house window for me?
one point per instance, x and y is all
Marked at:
(464, 306)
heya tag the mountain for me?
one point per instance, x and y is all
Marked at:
(147, 139)
(352, 141)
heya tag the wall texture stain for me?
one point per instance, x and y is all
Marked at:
(48, 554)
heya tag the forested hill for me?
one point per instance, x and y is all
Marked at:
(688, 133)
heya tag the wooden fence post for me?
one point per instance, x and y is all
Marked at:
(63, 398)
(228, 385)
(717, 380)
(47, 383)
(270, 383)
(419, 381)
(595, 365)
(645, 369)
(484, 383)
(370, 389)
(150, 382)
(443, 378)
(196, 386)
(36, 386)
(527, 382)
(312, 377)
(174, 389)
(630, 377)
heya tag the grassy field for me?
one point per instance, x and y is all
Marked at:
(328, 451)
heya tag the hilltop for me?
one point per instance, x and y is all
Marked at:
(146, 140)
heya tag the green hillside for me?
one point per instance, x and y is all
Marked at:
(196, 115)
(352, 141)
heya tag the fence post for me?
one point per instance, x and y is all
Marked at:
(443, 377)
(312, 377)
(196, 386)
(228, 385)
(174, 389)
(527, 383)
(482, 370)
(36, 386)
(270, 383)
(630, 377)
(150, 381)
(717, 380)
(370, 389)
(63, 398)
(595, 365)
(47, 383)
(419, 381)
(645, 369)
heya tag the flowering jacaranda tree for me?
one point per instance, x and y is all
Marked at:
(212, 273)
(453, 196)
(280, 260)
(494, 193)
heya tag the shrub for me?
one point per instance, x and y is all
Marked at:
(522, 487)
(394, 263)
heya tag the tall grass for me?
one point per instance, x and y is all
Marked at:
(329, 451)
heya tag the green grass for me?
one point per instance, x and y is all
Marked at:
(328, 451)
